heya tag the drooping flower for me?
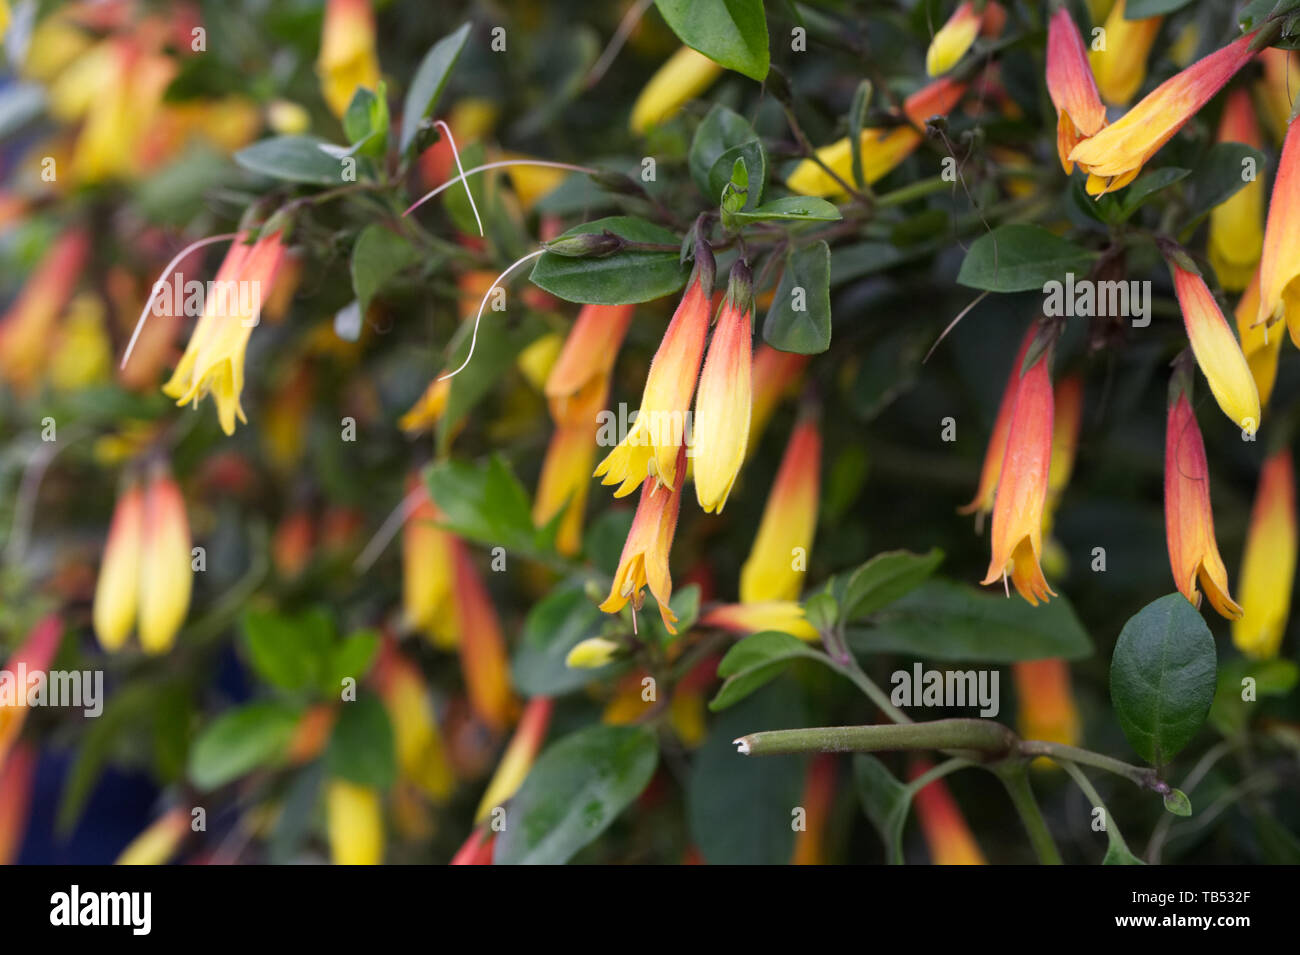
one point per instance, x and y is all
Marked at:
(1268, 565)
(214, 358)
(685, 75)
(1260, 347)
(1120, 65)
(1079, 110)
(117, 590)
(483, 662)
(946, 833)
(1279, 262)
(416, 737)
(651, 446)
(725, 396)
(428, 570)
(1217, 352)
(1277, 88)
(518, 757)
(817, 802)
(982, 503)
(1022, 486)
(33, 655)
(1189, 521)
(1237, 224)
(778, 560)
(1067, 420)
(27, 328)
(786, 616)
(776, 374)
(428, 408)
(347, 59)
(882, 149)
(354, 822)
(644, 561)
(17, 772)
(1045, 703)
(1115, 155)
(159, 841)
(166, 569)
(955, 37)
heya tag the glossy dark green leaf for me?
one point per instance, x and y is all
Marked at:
(361, 748)
(350, 660)
(379, 255)
(799, 319)
(1146, 186)
(942, 620)
(884, 579)
(576, 789)
(857, 118)
(732, 33)
(723, 171)
(553, 627)
(365, 122)
(288, 651)
(1176, 801)
(1020, 258)
(295, 159)
(429, 81)
(720, 130)
(1162, 677)
(792, 209)
(629, 276)
(885, 801)
(755, 661)
(486, 503)
(241, 740)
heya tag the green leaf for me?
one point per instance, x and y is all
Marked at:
(792, 209)
(799, 319)
(378, 255)
(629, 276)
(486, 503)
(685, 603)
(1162, 677)
(361, 748)
(732, 33)
(885, 801)
(1020, 258)
(738, 807)
(574, 792)
(351, 659)
(1176, 801)
(884, 579)
(294, 159)
(1117, 853)
(756, 661)
(241, 740)
(365, 122)
(1147, 186)
(429, 81)
(718, 132)
(942, 620)
(857, 118)
(554, 626)
(1241, 682)
(723, 172)
(1219, 176)
(287, 651)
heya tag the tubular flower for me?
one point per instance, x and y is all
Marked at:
(778, 560)
(347, 52)
(1217, 352)
(882, 149)
(563, 484)
(1079, 110)
(1237, 223)
(775, 375)
(159, 842)
(1277, 87)
(685, 75)
(818, 799)
(477, 849)
(166, 571)
(483, 662)
(784, 615)
(214, 358)
(644, 561)
(117, 590)
(1189, 521)
(1268, 566)
(956, 36)
(982, 502)
(32, 656)
(16, 775)
(1121, 64)
(1260, 348)
(1279, 263)
(354, 821)
(1067, 419)
(428, 408)
(1022, 487)
(27, 328)
(725, 395)
(420, 752)
(945, 830)
(428, 569)
(650, 448)
(518, 757)
(1046, 709)
(1114, 157)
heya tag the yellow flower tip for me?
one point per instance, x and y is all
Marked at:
(952, 40)
(685, 75)
(117, 589)
(347, 59)
(592, 653)
(724, 400)
(1217, 352)
(166, 573)
(1269, 562)
(355, 824)
(1121, 65)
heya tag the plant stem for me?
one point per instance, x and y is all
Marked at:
(982, 738)
(1144, 777)
(914, 190)
(1015, 777)
(1114, 838)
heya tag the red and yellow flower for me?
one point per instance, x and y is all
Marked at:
(1279, 263)
(1237, 223)
(1217, 353)
(347, 59)
(1080, 112)
(1268, 565)
(955, 37)
(1121, 64)
(778, 560)
(725, 395)
(519, 756)
(946, 833)
(982, 503)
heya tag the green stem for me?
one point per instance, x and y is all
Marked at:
(915, 190)
(1064, 754)
(1114, 837)
(1015, 777)
(980, 738)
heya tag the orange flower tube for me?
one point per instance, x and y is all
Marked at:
(982, 502)
(483, 660)
(1237, 224)
(32, 656)
(1022, 486)
(1221, 359)
(725, 396)
(1080, 112)
(945, 830)
(776, 373)
(1268, 566)
(117, 590)
(778, 561)
(518, 757)
(166, 571)
(347, 53)
(1259, 346)
(1189, 521)
(1279, 263)
(16, 775)
(428, 569)
(818, 797)
(28, 327)
(1046, 709)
